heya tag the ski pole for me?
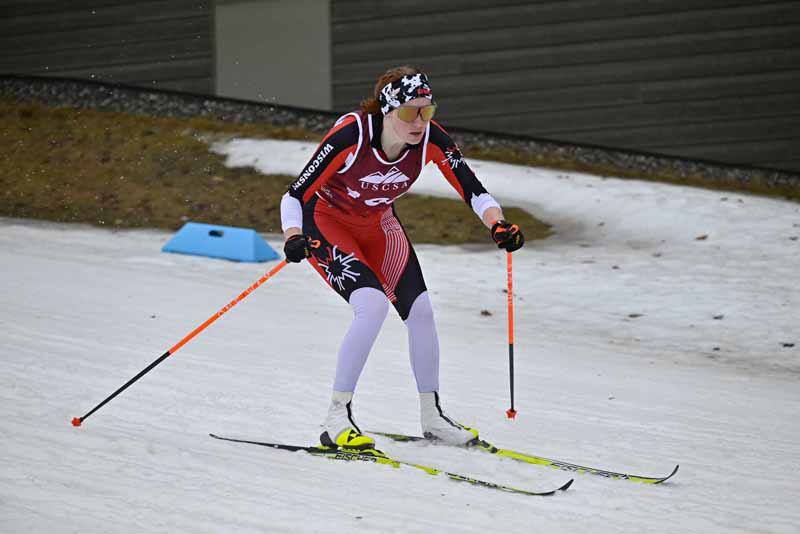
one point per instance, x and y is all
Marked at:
(78, 420)
(511, 413)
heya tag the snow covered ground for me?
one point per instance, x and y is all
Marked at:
(638, 346)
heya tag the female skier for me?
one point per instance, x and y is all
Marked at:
(339, 215)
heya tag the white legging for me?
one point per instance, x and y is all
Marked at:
(370, 307)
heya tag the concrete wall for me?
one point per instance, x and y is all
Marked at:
(164, 44)
(266, 50)
(274, 51)
(714, 79)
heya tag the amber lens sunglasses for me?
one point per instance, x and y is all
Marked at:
(410, 113)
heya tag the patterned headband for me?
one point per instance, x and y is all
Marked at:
(411, 86)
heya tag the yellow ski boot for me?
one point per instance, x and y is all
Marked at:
(341, 430)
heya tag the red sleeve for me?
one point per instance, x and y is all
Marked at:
(330, 156)
(443, 151)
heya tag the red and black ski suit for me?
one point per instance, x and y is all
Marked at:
(346, 194)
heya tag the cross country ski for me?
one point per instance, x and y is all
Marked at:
(378, 457)
(484, 445)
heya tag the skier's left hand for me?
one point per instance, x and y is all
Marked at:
(507, 236)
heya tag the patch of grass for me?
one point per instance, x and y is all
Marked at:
(127, 171)
(440, 220)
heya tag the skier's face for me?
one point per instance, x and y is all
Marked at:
(409, 132)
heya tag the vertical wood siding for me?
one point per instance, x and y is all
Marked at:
(716, 80)
(163, 44)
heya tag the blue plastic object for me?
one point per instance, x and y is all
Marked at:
(227, 242)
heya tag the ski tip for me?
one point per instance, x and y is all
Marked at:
(566, 486)
(669, 475)
(511, 413)
(76, 421)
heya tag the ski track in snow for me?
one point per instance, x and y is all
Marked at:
(85, 309)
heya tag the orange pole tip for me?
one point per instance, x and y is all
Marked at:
(511, 413)
(76, 421)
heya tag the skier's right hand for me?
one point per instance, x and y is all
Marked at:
(297, 248)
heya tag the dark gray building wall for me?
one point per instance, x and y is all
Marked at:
(711, 79)
(166, 44)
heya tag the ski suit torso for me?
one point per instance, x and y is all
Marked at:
(347, 191)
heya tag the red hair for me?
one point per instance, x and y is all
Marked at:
(371, 105)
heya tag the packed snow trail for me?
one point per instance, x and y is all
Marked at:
(635, 343)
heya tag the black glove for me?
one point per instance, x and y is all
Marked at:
(297, 248)
(507, 236)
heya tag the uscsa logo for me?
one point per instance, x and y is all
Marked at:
(393, 180)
